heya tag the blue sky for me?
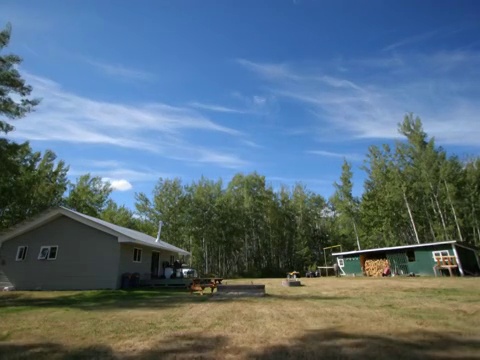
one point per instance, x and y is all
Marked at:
(137, 90)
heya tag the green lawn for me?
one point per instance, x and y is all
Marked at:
(329, 318)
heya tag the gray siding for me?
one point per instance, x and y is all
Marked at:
(127, 265)
(87, 258)
(4, 282)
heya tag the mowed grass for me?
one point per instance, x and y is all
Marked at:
(327, 318)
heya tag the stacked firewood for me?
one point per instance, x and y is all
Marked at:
(375, 267)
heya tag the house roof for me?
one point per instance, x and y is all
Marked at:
(124, 235)
(395, 248)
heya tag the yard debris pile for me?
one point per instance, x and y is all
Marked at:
(375, 267)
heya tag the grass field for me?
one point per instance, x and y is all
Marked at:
(328, 318)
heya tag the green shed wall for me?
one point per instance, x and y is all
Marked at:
(424, 261)
(352, 265)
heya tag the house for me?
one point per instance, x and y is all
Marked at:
(62, 249)
(421, 259)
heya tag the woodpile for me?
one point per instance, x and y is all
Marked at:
(375, 267)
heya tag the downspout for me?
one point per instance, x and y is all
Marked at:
(460, 268)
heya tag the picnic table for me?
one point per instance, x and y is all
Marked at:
(293, 274)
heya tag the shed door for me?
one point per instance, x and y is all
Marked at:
(398, 263)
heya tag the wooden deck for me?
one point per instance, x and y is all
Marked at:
(178, 282)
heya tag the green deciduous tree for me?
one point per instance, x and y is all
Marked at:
(29, 181)
(119, 215)
(14, 92)
(89, 195)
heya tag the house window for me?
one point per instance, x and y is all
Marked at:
(172, 260)
(21, 253)
(411, 256)
(48, 253)
(137, 255)
(440, 254)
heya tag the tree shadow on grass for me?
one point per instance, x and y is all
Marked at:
(300, 297)
(118, 299)
(189, 346)
(98, 300)
(319, 344)
(334, 344)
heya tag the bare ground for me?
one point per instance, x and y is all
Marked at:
(327, 318)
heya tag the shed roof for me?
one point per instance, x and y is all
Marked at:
(124, 235)
(395, 248)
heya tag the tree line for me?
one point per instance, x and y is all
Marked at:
(414, 192)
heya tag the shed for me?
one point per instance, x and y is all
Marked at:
(420, 259)
(62, 249)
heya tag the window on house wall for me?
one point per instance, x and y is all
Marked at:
(172, 259)
(411, 255)
(439, 254)
(21, 253)
(137, 255)
(48, 252)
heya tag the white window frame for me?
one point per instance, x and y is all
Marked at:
(140, 255)
(440, 254)
(341, 263)
(47, 254)
(25, 250)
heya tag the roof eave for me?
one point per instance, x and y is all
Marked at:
(394, 248)
(128, 240)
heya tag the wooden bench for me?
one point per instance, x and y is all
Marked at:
(445, 262)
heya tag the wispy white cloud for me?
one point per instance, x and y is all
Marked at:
(272, 71)
(119, 71)
(334, 154)
(201, 155)
(259, 100)
(252, 144)
(113, 169)
(258, 104)
(442, 88)
(156, 127)
(216, 108)
(411, 40)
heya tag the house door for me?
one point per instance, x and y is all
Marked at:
(155, 264)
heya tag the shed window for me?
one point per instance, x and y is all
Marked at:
(439, 254)
(411, 255)
(48, 253)
(21, 253)
(137, 255)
